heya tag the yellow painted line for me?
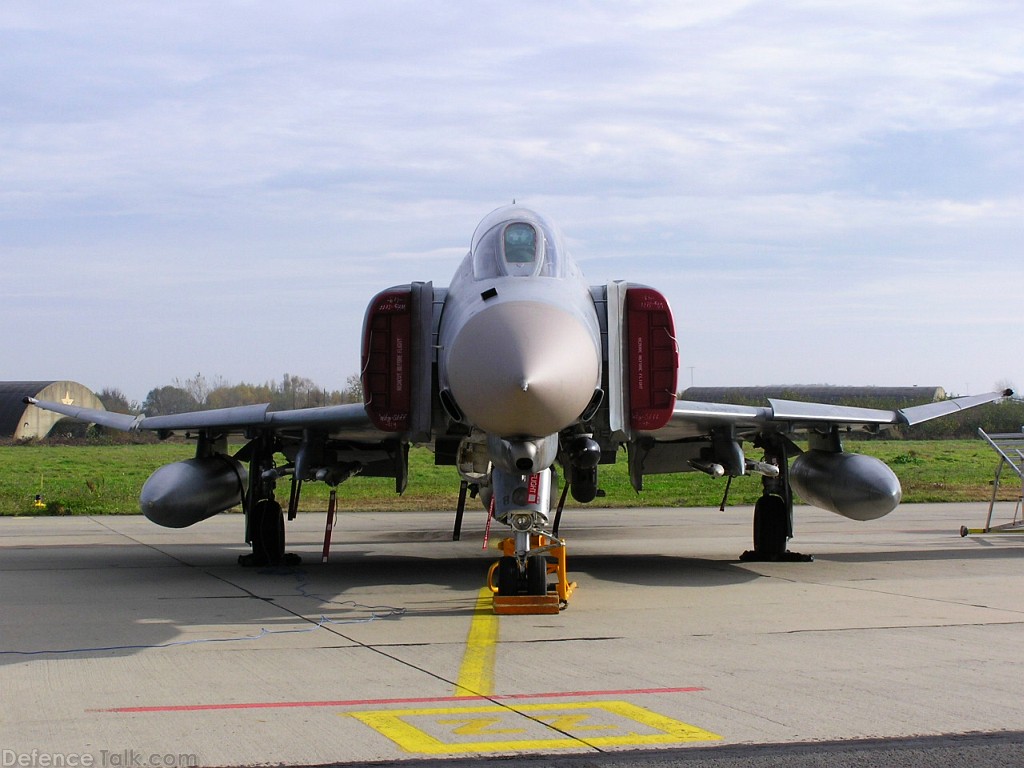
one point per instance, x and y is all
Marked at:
(983, 532)
(476, 675)
(495, 728)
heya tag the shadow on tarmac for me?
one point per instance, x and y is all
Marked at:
(81, 600)
(924, 555)
(977, 750)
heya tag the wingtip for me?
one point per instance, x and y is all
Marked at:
(1007, 393)
(29, 400)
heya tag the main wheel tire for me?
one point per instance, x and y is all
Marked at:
(268, 532)
(771, 526)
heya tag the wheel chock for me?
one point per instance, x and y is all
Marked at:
(526, 605)
(558, 593)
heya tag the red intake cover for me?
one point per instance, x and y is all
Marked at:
(387, 360)
(653, 358)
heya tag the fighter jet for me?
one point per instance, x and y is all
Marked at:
(523, 377)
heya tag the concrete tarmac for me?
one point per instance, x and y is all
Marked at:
(123, 644)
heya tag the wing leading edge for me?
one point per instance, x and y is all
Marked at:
(691, 419)
(341, 421)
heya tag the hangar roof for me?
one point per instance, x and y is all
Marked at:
(19, 421)
(12, 406)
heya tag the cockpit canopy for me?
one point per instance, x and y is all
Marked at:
(517, 242)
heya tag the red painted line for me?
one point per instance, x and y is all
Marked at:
(384, 702)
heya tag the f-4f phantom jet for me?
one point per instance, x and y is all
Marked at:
(515, 369)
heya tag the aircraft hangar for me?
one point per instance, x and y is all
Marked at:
(26, 422)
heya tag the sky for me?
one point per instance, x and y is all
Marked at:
(827, 193)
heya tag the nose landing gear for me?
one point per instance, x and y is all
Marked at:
(520, 584)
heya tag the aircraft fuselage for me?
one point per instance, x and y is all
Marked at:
(519, 340)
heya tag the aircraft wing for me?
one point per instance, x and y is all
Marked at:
(692, 418)
(347, 421)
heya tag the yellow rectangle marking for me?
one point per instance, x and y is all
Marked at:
(497, 729)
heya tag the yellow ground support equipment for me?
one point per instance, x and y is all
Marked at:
(559, 591)
(1010, 448)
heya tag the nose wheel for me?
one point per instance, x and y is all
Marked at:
(520, 583)
(512, 579)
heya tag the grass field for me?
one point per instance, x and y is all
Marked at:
(93, 480)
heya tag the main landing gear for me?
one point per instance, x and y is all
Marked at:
(773, 512)
(265, 526)
(264, 517)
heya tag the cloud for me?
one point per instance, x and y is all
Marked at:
(200, 171)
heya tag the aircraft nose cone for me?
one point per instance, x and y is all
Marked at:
(523, 369)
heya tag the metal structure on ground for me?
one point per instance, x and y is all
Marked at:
(1010, 448)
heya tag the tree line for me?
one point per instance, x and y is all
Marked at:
(199, 394)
